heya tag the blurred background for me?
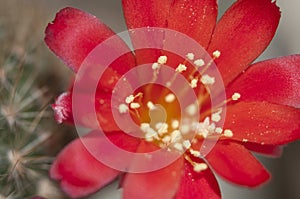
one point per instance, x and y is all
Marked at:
(22, 25)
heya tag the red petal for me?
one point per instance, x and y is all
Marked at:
(152, 13)
(124, 141)
(161, 183)
(263, 123)
(276, 81)
(195, 18)
(79, 172)
(236, 164)
(270, 150)
(140, 14)
(74, 34)
(198, 185)
(242, 34)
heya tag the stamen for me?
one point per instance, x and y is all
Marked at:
(228, 133)
(155, 66)
(162, 59)
(150, 134)
(195, 153)
(204, 129)
(185, 128)
(236, 96)
(175, 124)
(144, 127)
(129, 99)
(170, 98)
(216, 117)
(178, 146)
(211, 127)
(191, 109)
(175, 136)
(207, 80)
(199, 62)
(123, 108)
(180, 68)
(194, 83)
(198, 167)
(135, 105)
(216, 54)
(150, 105)
(166, 139)
(190, 56)
(162, 128)
(169, 83)
(218, 130)
(187, 144)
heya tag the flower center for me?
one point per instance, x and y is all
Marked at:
(158, 112)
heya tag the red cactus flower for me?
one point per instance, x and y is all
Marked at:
(262, 111)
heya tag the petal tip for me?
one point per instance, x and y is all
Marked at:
(62, 108)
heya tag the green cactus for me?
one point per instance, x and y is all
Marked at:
(26, 118)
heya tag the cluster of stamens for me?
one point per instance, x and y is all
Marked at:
(174, 133)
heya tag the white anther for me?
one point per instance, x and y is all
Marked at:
(190, 56)
(175, 136)
(194, 83)
(162, 59)
(123, 108)
(144, 127)
(168, 83)
(198, 167)
(162, 127)
(203, 128)
(228, 133)
(129, 99)
(155, 66)
(166, 139)
(207, 80)
(236, 96)
(149, 139)
(180, 68)
(203, 132)
(178, 146)
(150, 105)
(211, 128)
(216, 117)
(199, 62)
(187, 144)
(245, 140)
(175, 124)
(150, 134)
(191, 109)
(185, 128)
(206, 121)
(135, 105)
(195, 153)
(218, 130)
(216, 54)
(170, 98)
